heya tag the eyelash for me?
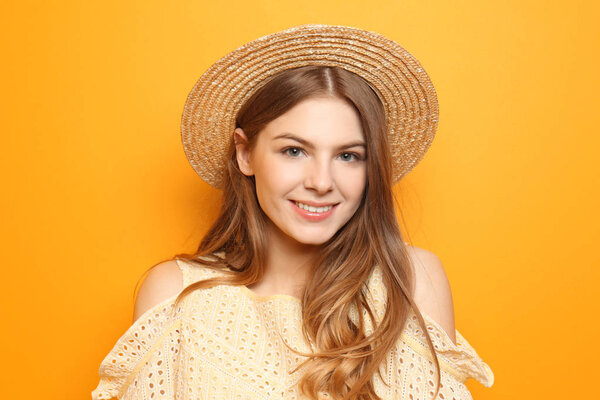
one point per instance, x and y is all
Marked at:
(357, 157)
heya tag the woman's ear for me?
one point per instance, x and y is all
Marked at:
(242, 151)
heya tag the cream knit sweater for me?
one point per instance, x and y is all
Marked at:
(223, 343)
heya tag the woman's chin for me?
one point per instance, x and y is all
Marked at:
(312, 239)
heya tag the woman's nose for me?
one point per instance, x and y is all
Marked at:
(319, 176)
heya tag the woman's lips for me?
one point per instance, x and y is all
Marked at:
(313, 216)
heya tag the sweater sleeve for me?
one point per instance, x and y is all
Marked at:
(461, 357)
(414, 365)
(142, 363)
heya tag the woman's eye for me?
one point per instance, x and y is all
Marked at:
(292, 151)
(349, 157)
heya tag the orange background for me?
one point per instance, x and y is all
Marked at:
(97, 189)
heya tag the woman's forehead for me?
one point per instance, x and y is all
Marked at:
(317, 121)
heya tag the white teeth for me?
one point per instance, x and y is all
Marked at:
(313, 209)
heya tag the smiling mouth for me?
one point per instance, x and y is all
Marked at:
(313, 209)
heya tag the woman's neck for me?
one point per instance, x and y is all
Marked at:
(287, 265)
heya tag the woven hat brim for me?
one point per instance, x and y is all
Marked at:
(407, 94)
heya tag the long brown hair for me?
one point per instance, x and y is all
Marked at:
(347, 358)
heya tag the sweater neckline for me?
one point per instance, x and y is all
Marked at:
(283, 297)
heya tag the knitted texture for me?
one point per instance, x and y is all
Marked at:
(228, 342)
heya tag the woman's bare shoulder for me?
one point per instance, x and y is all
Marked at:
(433, 293)
(164, 280)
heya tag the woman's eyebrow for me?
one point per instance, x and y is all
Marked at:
(287, 135)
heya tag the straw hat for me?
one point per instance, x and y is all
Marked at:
(407, 94)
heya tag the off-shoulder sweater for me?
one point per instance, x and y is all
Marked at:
(226, 342)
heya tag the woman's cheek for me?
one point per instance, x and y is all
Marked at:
(353, 180)
(285, 171)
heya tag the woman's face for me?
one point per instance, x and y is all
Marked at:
(309, 168)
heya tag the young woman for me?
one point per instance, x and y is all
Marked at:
(303, 286)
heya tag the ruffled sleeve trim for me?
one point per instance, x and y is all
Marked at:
(459, 360)
(134, 348)
(141, 341)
